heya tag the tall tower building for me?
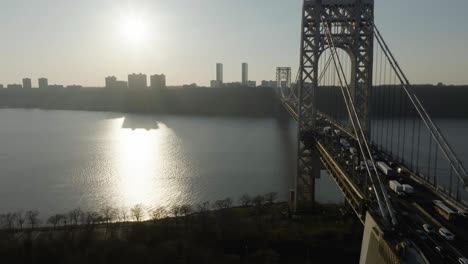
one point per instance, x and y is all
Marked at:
(219, 73)
(43, 83)
(137, 81)
(245, 74)
(158, 81)
(27, 84)
(111, 82)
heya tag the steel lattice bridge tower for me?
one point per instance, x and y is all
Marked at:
(350, 23)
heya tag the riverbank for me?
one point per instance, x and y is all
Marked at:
(251, 234)
(440, 101)
(243, 102)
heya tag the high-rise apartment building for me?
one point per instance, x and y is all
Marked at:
(27, 84)
(111, 82)
(158, 81)
(245, 74)
(43, 83)
(219, 73)
(137, 81)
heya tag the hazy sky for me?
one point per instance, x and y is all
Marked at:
(81, 42)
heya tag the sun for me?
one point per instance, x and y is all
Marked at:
(134, 29)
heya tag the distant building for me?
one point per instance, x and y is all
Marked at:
(74, 87)
(27, 84)
(251, 84)
(158, 81)
(219, 72)
(271, 84)
(137, 81)
(111, 82)
(216, 84)
(233, 85)
(245, 74)
(192, 85)
(1, 86)
(43, 83)
(121, 85)
(55, 87)
(14, 86)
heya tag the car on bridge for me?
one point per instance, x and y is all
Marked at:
(445, 233)
(428, 228)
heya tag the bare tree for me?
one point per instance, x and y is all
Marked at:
(74, 216)
(258, 201)
(227, 203)
(55, 220)
(245, 200)
(175, 210)
(32, 217)
(271, 197)
(108, 214)
(185, 209)
(223, 204)
(123, 216)
(218, 205)
(137, 212)
(158, 213)
(204, 207)
(20, 219)
(9, 219)
(92, 218)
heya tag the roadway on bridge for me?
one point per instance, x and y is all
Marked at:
(413, 211)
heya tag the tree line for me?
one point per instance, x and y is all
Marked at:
(31, 220)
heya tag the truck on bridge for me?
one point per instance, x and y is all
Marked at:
(385, 169)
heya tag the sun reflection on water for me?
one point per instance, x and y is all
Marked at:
(141, 155)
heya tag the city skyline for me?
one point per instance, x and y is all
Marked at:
(96, 39)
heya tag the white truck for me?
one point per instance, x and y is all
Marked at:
(408, 189)
(396, 187)
(384, 168)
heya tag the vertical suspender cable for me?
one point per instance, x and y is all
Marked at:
(399, 116)
(379, 189)
(429, 162)
(392, 116)
(381, 97)
(460, 171)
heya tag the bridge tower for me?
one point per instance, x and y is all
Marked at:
(283, 77)
(350, 24)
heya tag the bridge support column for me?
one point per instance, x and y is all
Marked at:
(310, 167)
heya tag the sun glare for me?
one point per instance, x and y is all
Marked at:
(135, 29)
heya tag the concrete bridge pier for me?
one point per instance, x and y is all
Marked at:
(374, 249)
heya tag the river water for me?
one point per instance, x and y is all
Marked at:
(55, 161)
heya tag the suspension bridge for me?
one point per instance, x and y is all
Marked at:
(360, 119)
